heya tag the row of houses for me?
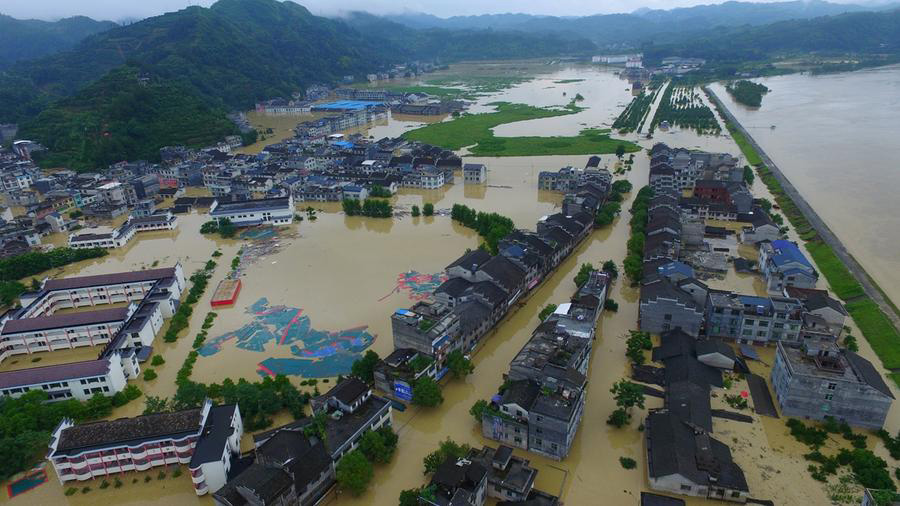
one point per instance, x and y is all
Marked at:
(541, 402)
(480, 290)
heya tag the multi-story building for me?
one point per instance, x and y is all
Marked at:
(295, 463)
(474, 173)
(783, 264)
(276, 211)
(206, 439)
(665, 306)
(818, 379)
(751, 319)
(430, 328)
(154, 294)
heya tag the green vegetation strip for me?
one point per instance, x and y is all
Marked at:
(476, 129)
(878, 330)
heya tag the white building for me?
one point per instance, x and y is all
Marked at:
(123, 234)
(207, 439)
(76, 380)
(277, 211)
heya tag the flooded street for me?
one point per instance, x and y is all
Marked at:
(352, 272)
(834, 138)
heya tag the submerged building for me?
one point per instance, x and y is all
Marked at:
(819, 379)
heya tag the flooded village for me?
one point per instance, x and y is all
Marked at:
(315, 284)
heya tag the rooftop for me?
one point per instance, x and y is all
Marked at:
(109, 279)
(124, 430)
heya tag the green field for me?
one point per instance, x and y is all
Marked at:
(475, 129)
(878, 330)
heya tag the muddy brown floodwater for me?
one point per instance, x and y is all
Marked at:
(834, 137)
(342, 272)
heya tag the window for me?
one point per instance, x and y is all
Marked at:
(828, 397)
(667, 318)
(749, 321)
(832, 386)
(686, 488)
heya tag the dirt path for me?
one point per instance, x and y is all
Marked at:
(821, 228)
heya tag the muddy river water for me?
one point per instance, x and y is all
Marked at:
(351, 273)
(834, 137)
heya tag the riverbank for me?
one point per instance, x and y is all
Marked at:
(875, 315)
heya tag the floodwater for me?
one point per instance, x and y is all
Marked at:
(834, 138)
(343, 272)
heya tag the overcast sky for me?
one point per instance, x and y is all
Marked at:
(124, 9)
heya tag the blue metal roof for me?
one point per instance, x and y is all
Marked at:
(786, 251)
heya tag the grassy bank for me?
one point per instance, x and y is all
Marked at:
(875, 326)
(475, 129)
(435, 91)
(878, 330)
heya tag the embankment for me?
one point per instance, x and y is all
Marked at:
(875, 315)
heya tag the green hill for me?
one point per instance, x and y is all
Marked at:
(240, 51)
(26, 39)
(121, 117)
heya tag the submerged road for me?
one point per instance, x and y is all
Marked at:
(810, 214)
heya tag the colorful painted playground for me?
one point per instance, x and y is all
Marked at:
(316, 353)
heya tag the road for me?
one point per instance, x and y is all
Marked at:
(822, 229)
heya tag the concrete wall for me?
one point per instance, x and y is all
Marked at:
(662, 315)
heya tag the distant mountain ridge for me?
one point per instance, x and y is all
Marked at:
(26, 39)
(643, 24)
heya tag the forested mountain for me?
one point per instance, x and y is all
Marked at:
(240, 51)
(125, 115)
(469, 43)
(642, 25)
(26, 39)
(861, 32)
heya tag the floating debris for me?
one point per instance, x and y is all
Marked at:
(320, 353)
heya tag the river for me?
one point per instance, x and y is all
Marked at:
(835, 139)
(351, 273)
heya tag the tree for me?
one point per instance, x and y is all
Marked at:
(547, 311)
(636, 344)
(628, 394)
(364, 368)
(354, 472)
(157, 360)
(227, 228)
(35, 285)
(410, 497)
(153, 404)
(610, 305)
(415, 211)
(378, 445)
(618, 418)
(583, 274)
(477, 409)
(459, 365)
(447, 449)
(610, 268)
(620, 150)
(426, 392)
(428, 209)
(850, 343)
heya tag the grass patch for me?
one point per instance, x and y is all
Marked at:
(475, 129)
(841, 280)
(568, 81)
(878, 330)
(479, 84)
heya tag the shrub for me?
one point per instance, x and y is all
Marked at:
(157, 360)
(149, 375)
(627, 463)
